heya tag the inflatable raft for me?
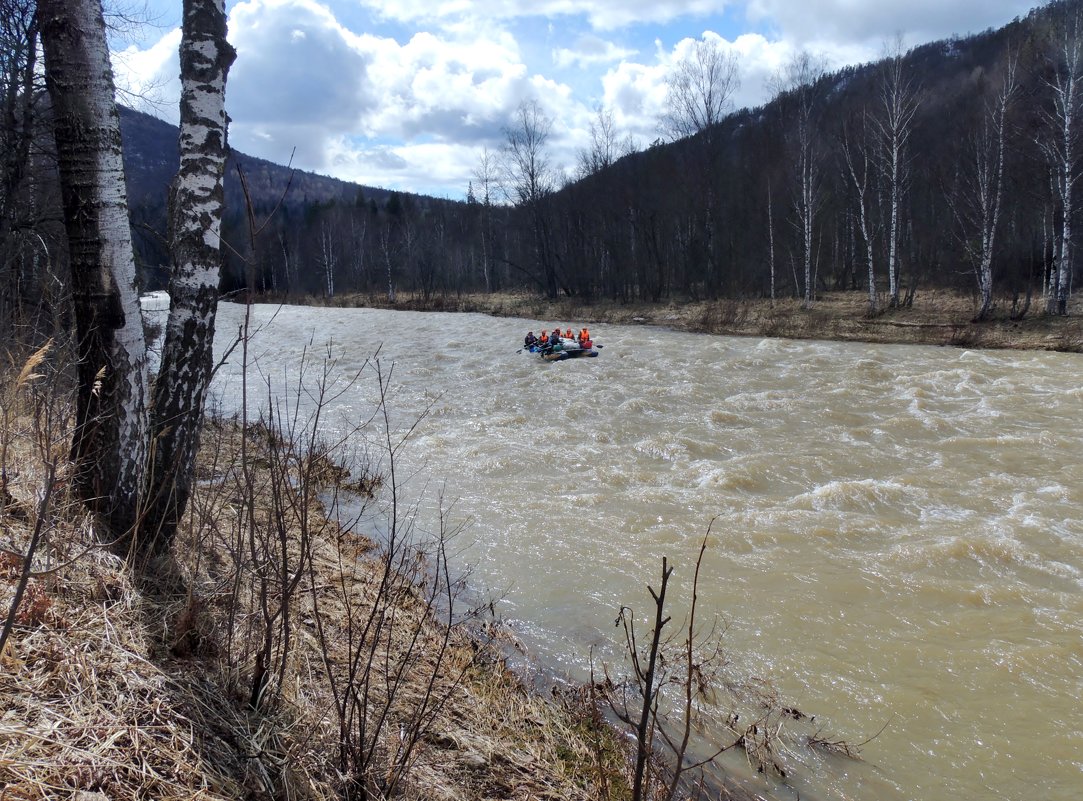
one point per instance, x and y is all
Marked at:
(567, 349)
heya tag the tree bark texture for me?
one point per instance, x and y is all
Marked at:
(109, 444)
(195, 213)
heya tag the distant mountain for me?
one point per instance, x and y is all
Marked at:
(151, 157)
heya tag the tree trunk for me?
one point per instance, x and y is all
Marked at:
(860, 186)
(771, 241)
(109, 444)
(899, 105)
(1062, 123)
(196, 201)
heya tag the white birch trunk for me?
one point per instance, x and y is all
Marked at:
(899, 105)
(860, 185)
(195, 208)
(109, 445)
(993, 189)
(1062, 124)
(1067, 181)
(385, 241)
(893, 225)
(808, 188)
(286, 272)
(771, 240)
(801, 78)
(327, 256)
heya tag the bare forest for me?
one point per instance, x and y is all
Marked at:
(952, 165)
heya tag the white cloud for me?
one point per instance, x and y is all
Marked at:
(405, 167)
(149, 79)
(601, 14)
(367, 106)
(450, 89)
(588, 51)
(636, 94)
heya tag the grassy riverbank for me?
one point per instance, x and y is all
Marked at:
(239, 668)
(936, 317)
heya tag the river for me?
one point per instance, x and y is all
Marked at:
(897, 535)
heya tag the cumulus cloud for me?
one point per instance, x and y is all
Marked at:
(304, 83)
(453, 89)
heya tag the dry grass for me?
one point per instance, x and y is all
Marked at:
(114, 687)
(88, 707)
(936, 317)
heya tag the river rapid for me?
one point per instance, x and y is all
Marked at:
(897, 535)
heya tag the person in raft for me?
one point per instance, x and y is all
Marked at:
(547, 342)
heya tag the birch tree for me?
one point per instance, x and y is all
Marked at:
(110, 440)
(894, 124)
(112, 436)
(1061, 121)
(487, 174)
(195, 206)
(771, 239)
(327, 257)
(855, 155)
(978, 202)
(798, 86)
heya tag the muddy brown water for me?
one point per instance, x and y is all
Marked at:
(897, 535)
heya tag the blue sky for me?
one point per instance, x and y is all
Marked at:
(406, 94)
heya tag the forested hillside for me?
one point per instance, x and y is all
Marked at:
(951, 165)
(923, 168)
